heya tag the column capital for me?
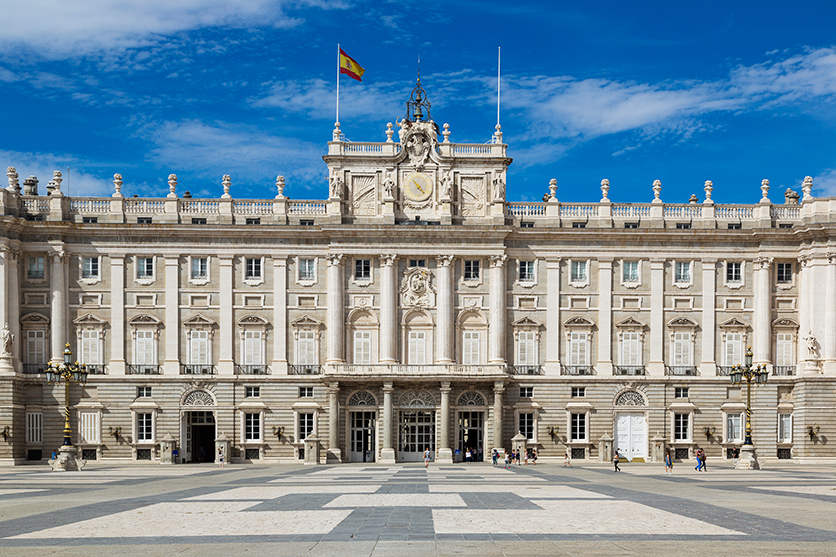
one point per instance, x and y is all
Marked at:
(172, 259)
(498, 260)
(499, 387)
(657, 264)
(444, 260)
(388, 388)
(334, 259)
(762, 263)
(58, 254)
(333, 388)
(446, 387)
(388, 259)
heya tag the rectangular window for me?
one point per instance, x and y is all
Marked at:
(144, 220)
(200, 268)
(734, 432)
(362, 347)
(785, 428)
(733, 272)
(417, 262)
(681, 349)
(471, 269)
(35, 265)
(578, 349)
(526, 426)
(252, 268)
(362, 269)
(527, 348)
(526, 271)
(198, 220)
(683, 226)
(144, 352)
(305, 392)
(199, 347)
(91, 347)
(89, 220)
(253, 220)
(630, 271)
(90, 267)
(35, 347)
(631, 348)
(306, 425)
(307, 269)
(734, 226)
(526, 392)
(144, 427)
(252, 426)
(631, 225)
(89, 427)
(578, 392)
(733, 350)
(578, 225)
(681, 431)
(144, 267)
(784, 349)
(578, 427)
(143, 392)
(682, 272)
(784, 273)
(34, 428)
(306, 222)
(416, 347)
(253, 348)
(252, 392)
(471, 341)
(524, 224)
(680, 392)
(578, 271)
(306, 348)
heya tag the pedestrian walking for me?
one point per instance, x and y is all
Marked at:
(698, 456)
(615, 459)
(519, 458)
(507, 459)
(494, 456)
(427, 458)
(567, 457)
(668, 462)
(533, 456)
(702, 459)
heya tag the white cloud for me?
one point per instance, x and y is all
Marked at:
(78, 180)
(62, 29)
(824, 185)
(807, 75)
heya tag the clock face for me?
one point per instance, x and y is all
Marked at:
(418, 187)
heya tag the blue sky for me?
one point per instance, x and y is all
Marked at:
(619, 91)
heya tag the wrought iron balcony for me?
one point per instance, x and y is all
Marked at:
(783, 371)
(412, 370)
(197, 369)
(142, 369)
(681, 370)
(525, 370)
(252, 369)
(629, 370)
(95, 369)
(577, 370)
(724, 370)
(33, 368)
(304, 369)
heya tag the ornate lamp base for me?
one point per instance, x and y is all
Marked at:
(67, 460)
(748, 459)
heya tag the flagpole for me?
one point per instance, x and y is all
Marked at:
(338, 86)
(498, 81)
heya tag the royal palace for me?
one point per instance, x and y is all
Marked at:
(416, 307)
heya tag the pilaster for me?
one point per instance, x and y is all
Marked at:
(226, 364)
(279, 364)
(116, 366)
(58, 313)
(445, 328)
(336, 306)
(498, 389)
(497, 309)
(171, 365)
(388, 309)
(656, 364)
(445, 452)
(333, 454)
(13, 302)
(552, 336)
(604, 365)
(387, 453)
(762, 310)
(829, 367)
(708, 365)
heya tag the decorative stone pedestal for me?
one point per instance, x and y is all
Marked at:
(445, 456)
(167, 444)
(312, 450)
(67, 460)
(222, 446)
(748, 459)
(658, 449)
(387, 456)
(519, 443)
(605, 448)
(6, 367)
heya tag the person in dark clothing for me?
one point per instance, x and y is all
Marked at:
(615, 459)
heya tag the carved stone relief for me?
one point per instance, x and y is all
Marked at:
(472, 196)
(417, 289)
(363, 198)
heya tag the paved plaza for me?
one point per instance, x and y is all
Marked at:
(407, 510)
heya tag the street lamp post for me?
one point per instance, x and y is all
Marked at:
(68, 372)
(748, 458)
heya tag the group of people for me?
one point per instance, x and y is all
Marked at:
(699, 454)
(514, 456)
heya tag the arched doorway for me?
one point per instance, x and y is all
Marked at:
(362, 416)
(198, 429)
(630, 428)
(470, 418)
(416, 424)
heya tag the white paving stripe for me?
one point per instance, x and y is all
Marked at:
(398, 500)
(573, 517)
(806, 489)
(17, 491)
(271, 492)
(556, 491)
(196, 519)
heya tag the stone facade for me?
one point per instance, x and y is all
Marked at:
(415, 307)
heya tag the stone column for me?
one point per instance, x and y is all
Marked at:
(804, 314)
(708, 365)
(117, 315)
(279, 364)
(445, 452)
(552, 335)
(13, 308)
(387, 453)
(6, 365)
(334, 454)
(498, 389)
(336, 344)
(604, 364)
(171, 365)
(497, 308)
(656, 364)
(829, 348)
(445, 328)
(762, 311)
(388, 309)
(226, 363)
(58, 316)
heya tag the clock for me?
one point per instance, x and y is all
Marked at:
(418, 186)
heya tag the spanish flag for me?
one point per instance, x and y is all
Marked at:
(350, 67)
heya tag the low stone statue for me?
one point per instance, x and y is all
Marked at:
(7, 339)
(498, 188)
(812, 345)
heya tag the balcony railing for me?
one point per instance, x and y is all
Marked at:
(33, 368)
(411, 370)
(251, 369)
(724, 370)
(197, 369)
(577, 370)
(142, 369)
(95, 369)
(783, 371)
(629, 370)
(681, 370)
(304, 369)
(525, 370)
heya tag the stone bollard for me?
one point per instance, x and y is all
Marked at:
(519, 443)
(312, 446)
(658, 449)
(167, 444)
(605, 448)
(222, 446)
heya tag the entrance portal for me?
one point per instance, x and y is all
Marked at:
(200, 436)
(471, 435)
(362, 433)
(416, 433)
(631, 435)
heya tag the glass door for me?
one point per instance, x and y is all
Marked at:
(416, 433)
(362, 436)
